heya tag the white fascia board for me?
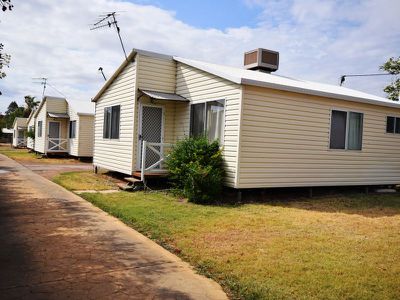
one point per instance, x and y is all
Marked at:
(317, 93)
(234, 79)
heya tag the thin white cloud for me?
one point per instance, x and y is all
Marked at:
(317, 40)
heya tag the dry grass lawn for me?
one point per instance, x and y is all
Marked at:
(322, 248)
(85, 180)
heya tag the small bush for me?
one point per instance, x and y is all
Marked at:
(30, 134)
(196, 168)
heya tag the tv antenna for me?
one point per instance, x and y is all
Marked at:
(42, 81)
(109, 20)
(102, 73)
(343, 77)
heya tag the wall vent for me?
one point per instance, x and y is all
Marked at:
(262, 60)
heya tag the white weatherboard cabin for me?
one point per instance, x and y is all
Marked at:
(64, 127)
(275, 131)
(19, 133)
(30, 142)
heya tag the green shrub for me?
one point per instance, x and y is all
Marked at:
(30, 134)
(196, 168)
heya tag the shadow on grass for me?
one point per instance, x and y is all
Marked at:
(348, 200)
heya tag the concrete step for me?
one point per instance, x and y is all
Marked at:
(132, 179)
(125, 187)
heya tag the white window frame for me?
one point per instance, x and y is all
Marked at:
(221, 142)
(69, 129)
(347, 129)
(394, 132)
(40, 129)
(119, 123)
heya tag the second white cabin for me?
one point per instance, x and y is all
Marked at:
(63, 128)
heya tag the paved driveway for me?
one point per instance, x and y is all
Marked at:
(55, 245)
(50, 170)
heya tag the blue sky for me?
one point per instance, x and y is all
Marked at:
(220, 14)
(317, 40)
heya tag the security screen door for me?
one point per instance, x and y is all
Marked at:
(151, 132)
(54, 135)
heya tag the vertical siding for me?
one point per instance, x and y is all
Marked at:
(199, 86)
(156, 74)
(85, 135)
(285, 142)
(57, 105)
(116, 155)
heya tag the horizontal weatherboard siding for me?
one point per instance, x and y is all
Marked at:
(285, 142)
(199, 86)
(116, 154)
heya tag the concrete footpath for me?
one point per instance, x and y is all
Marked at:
(55, 245)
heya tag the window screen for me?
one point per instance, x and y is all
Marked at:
(338, 130)
(72, 129)
(390, 124)
(107, 120)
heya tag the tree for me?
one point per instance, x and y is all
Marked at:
(6, 5)
(4, 61)
(30, 104)
(4, 57)
(392, 66)
(12, 107)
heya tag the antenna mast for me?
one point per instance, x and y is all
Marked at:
(109, 20)
(43, 81)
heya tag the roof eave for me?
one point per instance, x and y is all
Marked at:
(85, 114)
(316, 93)
(129, 59)
(216, 73)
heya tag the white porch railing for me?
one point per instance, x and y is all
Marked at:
(21, 142)
(57, 145)
(158, 157)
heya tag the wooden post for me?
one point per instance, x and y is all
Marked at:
(367, 189)
(143, 166)
(239, 196)
(310, 191)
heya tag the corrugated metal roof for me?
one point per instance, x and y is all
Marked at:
(164, 96)
(243, 76)
(58, 115)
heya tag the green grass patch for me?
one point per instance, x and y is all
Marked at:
(84, 180)
(21, 154)
(24, 156)
(323, 248)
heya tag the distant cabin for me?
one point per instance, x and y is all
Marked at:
(19, 133)
(63, 127)
(275, 131)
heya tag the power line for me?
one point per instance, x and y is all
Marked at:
(53, 87)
